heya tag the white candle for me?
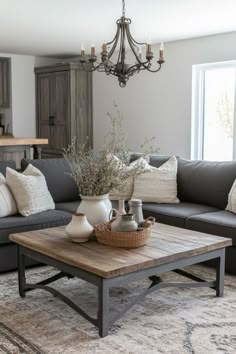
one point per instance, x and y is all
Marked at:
(104, 47)
(82, 50)
(149, 46)
(161, 50)
(92, 49)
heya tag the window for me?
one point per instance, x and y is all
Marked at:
(214, 112)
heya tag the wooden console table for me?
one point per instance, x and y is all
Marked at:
(18, 148)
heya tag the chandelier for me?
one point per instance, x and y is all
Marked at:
(120, 68)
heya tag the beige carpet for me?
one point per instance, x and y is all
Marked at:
(174, 321)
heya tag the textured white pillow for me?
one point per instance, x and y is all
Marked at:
(30, 190)
(7, 201)
(231, 206)
(129, 187)
(159, 185)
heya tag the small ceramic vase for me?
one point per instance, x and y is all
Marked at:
(121, 207)
(123, 222)
(135, 207)
(79, 229)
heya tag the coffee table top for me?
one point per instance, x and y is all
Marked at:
(166, 244)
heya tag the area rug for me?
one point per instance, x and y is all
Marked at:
(171, 321)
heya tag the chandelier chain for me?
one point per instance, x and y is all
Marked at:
(123, 8)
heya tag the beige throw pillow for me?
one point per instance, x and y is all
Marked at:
(158, 185)
(127, 192)
(7, 201)
(231, 206)
(30, 190)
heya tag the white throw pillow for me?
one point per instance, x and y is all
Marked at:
(127, 192)
(30, 190)
(7, 201)
(158, 185)
(231, 206)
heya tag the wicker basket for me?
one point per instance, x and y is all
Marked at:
(130, 239)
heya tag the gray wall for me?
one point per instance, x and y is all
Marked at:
(160, 104)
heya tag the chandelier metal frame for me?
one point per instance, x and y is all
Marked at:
(120, 68)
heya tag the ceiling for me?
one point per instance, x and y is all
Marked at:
(57, 28)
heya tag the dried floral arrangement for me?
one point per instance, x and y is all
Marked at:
(96, 173)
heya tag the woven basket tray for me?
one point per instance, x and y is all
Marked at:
(130, 239)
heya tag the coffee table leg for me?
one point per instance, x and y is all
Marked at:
(103, 308)
(220, 274)
(21, 273)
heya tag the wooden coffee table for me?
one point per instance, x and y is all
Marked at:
(168, 249)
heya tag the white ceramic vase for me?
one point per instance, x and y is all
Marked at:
(79, 229)
(97, 208)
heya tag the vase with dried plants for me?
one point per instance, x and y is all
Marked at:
(98, 172)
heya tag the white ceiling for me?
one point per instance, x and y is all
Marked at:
(58, 27)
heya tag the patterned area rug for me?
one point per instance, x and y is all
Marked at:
(11, 342)
(172, 321)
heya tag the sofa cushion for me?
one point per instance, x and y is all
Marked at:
(140, 164)
(231, 206)
(7, 201)
(159, 185)
(221, 223)
(175, 214)
(5, 164)
(18, 223)
(205, 182)
(57, 173)
(72, 207)
(29, 190)
(155, 160)
(68, 206)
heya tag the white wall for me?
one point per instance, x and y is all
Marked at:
(21, 115)
(160, 104)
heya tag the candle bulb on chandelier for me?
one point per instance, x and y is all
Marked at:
(104, 47)
(92, 50)
(82, 51)
(161, 53)
(149, 47)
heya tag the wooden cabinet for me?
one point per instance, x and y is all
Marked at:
(64, 106)
(4, 82)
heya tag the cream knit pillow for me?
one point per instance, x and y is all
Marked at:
(7, 201)
(30, 190)
(129, 187)
(231, 206)
(159, 185)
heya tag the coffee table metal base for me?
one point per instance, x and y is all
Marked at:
(105, 318)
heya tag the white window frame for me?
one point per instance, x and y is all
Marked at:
(198, 101)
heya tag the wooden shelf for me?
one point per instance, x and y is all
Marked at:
(6, 141)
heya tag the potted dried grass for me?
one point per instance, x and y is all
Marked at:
(97, 173)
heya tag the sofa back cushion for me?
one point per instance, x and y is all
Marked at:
(5, 164)
(155, 160)
(205, 182)
(57, 173)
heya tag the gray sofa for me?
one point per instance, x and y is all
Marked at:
(203, 189)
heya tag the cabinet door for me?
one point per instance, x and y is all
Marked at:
(44, 111)
(4, 82)
(61, 109)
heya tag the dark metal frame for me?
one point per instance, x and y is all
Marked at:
(120, 68)
(105, 319)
